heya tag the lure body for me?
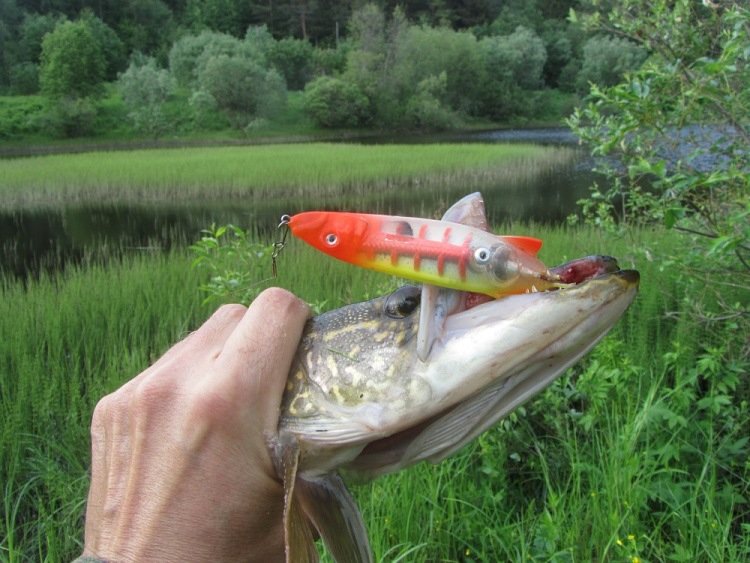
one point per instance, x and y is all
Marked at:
(434, 252)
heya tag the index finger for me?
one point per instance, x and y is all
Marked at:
(259, 353)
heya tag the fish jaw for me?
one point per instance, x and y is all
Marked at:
(521, 342)
(522, 332)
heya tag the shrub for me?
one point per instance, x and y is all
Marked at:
(19, 115)
(332, 102)
(144, 90)
(242, 88)
(205, 111)
(68, 117)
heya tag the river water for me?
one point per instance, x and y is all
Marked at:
(35, 241)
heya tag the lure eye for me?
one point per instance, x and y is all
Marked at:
(332, 239)
(403, 302)
(482, 255)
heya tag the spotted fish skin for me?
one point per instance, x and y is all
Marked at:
(342, 359)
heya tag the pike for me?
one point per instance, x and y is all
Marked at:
(359, 400)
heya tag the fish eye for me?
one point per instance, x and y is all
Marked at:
(403, 302)
(332, 239)
(482, 255)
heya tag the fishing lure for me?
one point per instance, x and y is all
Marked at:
(440, 253)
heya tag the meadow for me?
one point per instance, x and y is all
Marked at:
(638, 453)
(255, 173)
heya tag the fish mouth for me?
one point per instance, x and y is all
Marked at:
(566, 276)
(596, 293)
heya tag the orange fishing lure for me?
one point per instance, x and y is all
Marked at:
(440, 253)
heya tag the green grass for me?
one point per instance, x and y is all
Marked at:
(636, 452)
(255, 173)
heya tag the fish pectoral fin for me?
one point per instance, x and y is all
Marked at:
(332, 510)
(299, 541)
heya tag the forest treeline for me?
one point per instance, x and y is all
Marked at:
(380, 64)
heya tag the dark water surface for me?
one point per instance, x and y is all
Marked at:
(34, 241)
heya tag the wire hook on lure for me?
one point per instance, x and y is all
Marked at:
(435, 252)
(279, 245)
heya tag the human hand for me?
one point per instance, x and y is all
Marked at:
(180, 464)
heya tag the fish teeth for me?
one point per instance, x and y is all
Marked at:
(534, 289)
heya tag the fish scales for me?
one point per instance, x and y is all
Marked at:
(346, 357)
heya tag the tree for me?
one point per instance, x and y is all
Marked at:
(112, 48)
(190, 53)
(72, 62)
(216, 15)
(145, 26)
(678, 127)
(144, 88)
(243, 89)
(32, 32)
(513, 66)
(606, 59)
(293, 58)
(425, 54)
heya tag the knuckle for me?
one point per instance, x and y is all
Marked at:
(210, 408)
(102, 413)
(107, 409)
(229, 311)
(151, 395)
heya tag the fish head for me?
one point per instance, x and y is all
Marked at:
(337, 234)
(360, 399)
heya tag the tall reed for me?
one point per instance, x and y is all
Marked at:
(255, 173)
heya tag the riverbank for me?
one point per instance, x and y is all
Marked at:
(22, 132)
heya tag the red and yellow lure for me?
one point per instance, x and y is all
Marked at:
(435, 252)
